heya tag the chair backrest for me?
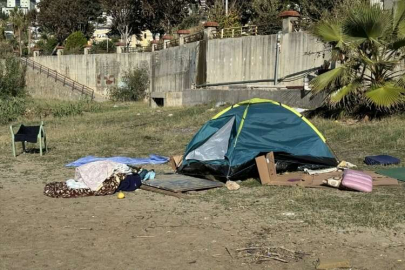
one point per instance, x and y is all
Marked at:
(28, 130)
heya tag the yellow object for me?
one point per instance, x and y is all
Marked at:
(121, 195)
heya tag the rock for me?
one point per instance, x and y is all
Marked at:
(231, 185)
(170, 115)
(138, 114)
(332, 263)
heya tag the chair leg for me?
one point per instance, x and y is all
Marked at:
(13, 146)
(45, 144)
(40, 146)
(23, 147)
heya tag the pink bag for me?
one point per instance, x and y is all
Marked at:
(357, 180)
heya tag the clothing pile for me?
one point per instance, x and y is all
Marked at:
(99, 178)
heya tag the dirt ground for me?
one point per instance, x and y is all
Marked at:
(153, 231)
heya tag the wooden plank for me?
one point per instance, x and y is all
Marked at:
(165, 192)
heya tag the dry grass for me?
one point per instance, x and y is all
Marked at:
(136, 130)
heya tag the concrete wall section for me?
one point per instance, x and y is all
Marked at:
(97, 71)
(175, 69)
(39, 85)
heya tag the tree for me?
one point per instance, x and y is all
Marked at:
(163, 16)
(368, 45)
(63, 17)
(75, 42)
(126, 17)
(19, 22)
(217, 14)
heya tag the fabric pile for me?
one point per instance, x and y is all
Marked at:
(98, 178)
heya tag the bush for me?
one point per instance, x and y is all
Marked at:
(75, 42)
(47, 45)
(11, 108)
(12, 78)
(101, 47)
(132, 87)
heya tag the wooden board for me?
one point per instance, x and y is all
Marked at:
(181, 183)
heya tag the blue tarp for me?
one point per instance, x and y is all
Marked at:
(152, 159)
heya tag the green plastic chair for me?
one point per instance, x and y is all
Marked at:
(31, 134)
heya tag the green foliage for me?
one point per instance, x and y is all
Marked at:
(134, 86)
(368, 44)
(190, 21)
(11, 108)
(217, 14)
(101, 47)
(63, 17)
(12, 78)
(75, 42)
(47, 45)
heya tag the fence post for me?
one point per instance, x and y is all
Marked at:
(64, 80)
(256, 30)
(48, 73)
(233, 32)
(40, 69)
(73, 86)
(82, 90)
(56, 76)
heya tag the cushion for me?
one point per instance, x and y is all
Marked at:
(381, 160)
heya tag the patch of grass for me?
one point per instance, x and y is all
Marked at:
(134, 129)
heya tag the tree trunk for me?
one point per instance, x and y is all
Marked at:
(19, 41)
(29, 40)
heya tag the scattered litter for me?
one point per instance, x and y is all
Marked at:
(333, 263)
(220, 104)
(138, 114)
(170, 115)
(262, 254)
(300, 110)
(288, 214)
(120, 195)
(381, 160)
(312, 172)
(333, 182)
(346, 165)
(115, 106)
(231, 185)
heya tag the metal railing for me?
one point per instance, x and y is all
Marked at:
(137, 49)
(76, 86)
(194, 37)
(250, 30)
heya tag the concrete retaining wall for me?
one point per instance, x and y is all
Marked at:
(39, 85)
(206, 62)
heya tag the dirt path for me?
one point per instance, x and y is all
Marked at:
(153, 231)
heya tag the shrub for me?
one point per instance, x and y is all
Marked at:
(47, 44)
(12, 78)
(11, 108)
(101, 47)
(132, 87)
(75, 42)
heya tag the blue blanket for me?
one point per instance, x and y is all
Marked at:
(153, 159)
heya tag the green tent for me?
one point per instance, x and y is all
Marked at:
(227, 145)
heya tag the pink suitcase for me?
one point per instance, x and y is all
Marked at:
(357, 180)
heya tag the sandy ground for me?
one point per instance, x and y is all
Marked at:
(153, 231)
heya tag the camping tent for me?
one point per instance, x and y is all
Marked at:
(227, 145)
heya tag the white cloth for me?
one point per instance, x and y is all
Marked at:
(312, 172)
(95, 173)
(73, 184)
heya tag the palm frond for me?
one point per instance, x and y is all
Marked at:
(329, 31)
(340, 94)
(321, 82)
(386, 95)
(367, 23)
(396, 45)
(398, 24)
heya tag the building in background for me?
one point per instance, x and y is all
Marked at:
(24, 5)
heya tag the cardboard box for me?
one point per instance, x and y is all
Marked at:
(175, 161)
(267, 168)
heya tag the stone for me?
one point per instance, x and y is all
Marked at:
(231, 185)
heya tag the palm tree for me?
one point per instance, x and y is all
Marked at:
(368, 46)
(19, 22)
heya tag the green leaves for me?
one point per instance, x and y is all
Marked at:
(330, 31)
(327, 79)
(386, 95)
(340, 94)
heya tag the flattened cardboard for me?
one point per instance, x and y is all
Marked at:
(266, 168)
(175, 161)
